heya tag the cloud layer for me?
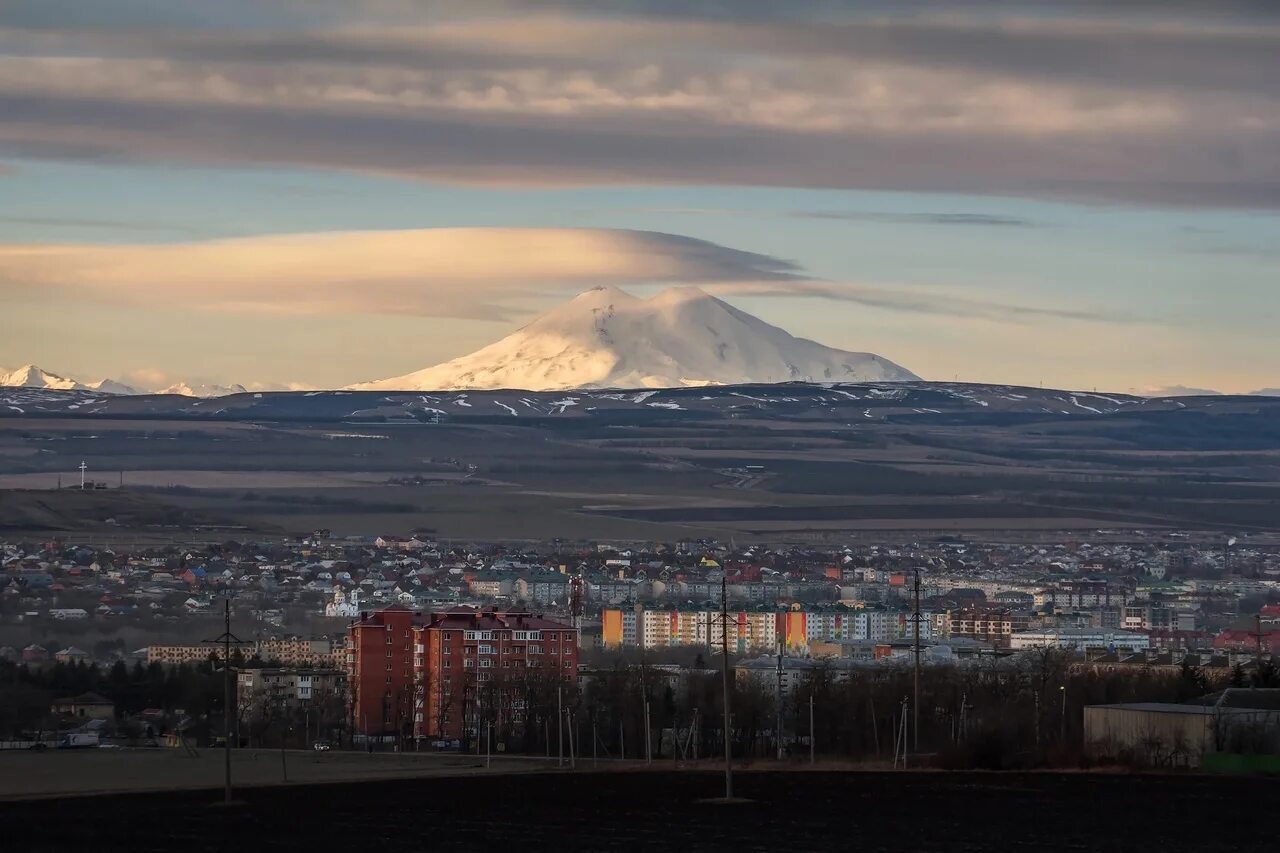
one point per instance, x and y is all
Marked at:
(1150, 108)
(477, 273)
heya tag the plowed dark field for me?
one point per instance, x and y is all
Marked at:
(819, 811)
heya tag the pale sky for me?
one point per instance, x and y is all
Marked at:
(324, 192)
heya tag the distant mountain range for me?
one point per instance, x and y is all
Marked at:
(607, 338)
(31, 376)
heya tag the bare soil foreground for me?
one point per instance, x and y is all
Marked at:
(880, 811)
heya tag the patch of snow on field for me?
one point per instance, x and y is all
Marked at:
(563, 404)
(513, 412)
(1080, 405)
(351, 435)
(674, 406)
(642, 396)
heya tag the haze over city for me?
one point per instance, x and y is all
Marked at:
(287, 194)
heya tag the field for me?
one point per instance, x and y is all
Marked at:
(775, 464)
(662, 810)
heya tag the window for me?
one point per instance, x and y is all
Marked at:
(535, 650)
(468, 664)
(447, 663)
(485, 663)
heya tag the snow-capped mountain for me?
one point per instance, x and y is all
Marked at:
(30, 376)
(607, 338)
(203, 389)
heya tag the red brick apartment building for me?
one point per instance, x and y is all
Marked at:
(440, 675)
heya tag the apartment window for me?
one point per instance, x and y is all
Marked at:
(468, 664)
(486, 663)
(487, 650)
(388, 652)
(388, 638)
(447, 663)
(535, 650)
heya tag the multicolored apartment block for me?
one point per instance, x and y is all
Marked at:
(759, 629)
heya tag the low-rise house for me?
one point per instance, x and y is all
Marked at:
(86, 706)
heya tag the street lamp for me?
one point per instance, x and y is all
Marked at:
(1063, 690)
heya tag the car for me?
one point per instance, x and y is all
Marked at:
(322, 746)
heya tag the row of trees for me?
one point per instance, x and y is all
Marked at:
(1002, 713)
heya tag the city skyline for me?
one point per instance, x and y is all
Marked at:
(324, 193)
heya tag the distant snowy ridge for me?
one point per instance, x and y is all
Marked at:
(607, 338)
(31, 376)
(203, 389)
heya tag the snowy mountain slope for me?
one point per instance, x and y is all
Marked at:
(203, 389)
(30, 376)
(607, 338)
(111, 386)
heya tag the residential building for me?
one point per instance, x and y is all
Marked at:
(440, 675)
(1079, 639)
(990, 625)
(92, 706)
(173, 655)
(294, 687)
(296, 651)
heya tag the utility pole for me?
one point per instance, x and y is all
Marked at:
(777, 736)
(916, 677)
(648, 732)
(1063, 733)
(724, 648)
(560, 726)
(812, 734)
(225, 641)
